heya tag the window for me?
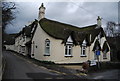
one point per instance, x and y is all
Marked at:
(47, 47)
(83, 50)
(36, 46)
(68, 46)
(105, 55)
(23, 49)
(68, 50)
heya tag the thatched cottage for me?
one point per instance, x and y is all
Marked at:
(63, 43)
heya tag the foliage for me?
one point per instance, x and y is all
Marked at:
(112, 30)
(8, 13)
(114, 43)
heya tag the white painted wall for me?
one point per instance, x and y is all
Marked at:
(57, 50)
(20, 44)
(10, 47)
(91, 56)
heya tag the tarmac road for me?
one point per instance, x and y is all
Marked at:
(19, 68)
(112, 75)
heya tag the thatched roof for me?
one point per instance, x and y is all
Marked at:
(62, 31)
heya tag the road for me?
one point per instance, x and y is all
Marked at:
(19, 68)
(112, 75)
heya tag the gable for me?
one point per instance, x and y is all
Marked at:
(69, 39)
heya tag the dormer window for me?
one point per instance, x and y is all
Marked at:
(47, 47)
(68, 47)
(83, 48)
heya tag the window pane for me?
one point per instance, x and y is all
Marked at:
(69, 52)
(83, 51)
(47, 50)
(65, 50)
(47, 46)
(68, 49)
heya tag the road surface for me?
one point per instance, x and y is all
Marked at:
(19, 68)
(112, 75)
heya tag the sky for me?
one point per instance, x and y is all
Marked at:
(79, 14)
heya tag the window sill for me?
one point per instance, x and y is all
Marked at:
(68, 56)
(46, 55)
(83, 56)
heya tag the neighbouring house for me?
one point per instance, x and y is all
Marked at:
(23, 38)
(63, 43)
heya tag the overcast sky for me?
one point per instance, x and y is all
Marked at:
(75, 13)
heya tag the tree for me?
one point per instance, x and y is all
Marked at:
(110, 29)
(8, 13)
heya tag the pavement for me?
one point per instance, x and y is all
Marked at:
(17, 67)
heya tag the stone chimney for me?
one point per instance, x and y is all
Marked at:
(99, 22)
(41, 12)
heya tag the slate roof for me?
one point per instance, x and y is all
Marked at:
(62, 31)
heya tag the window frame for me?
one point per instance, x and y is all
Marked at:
(47, 47)
(83, 49)
(68, 49)
(23, 49)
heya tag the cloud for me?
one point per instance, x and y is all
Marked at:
(75, 13)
